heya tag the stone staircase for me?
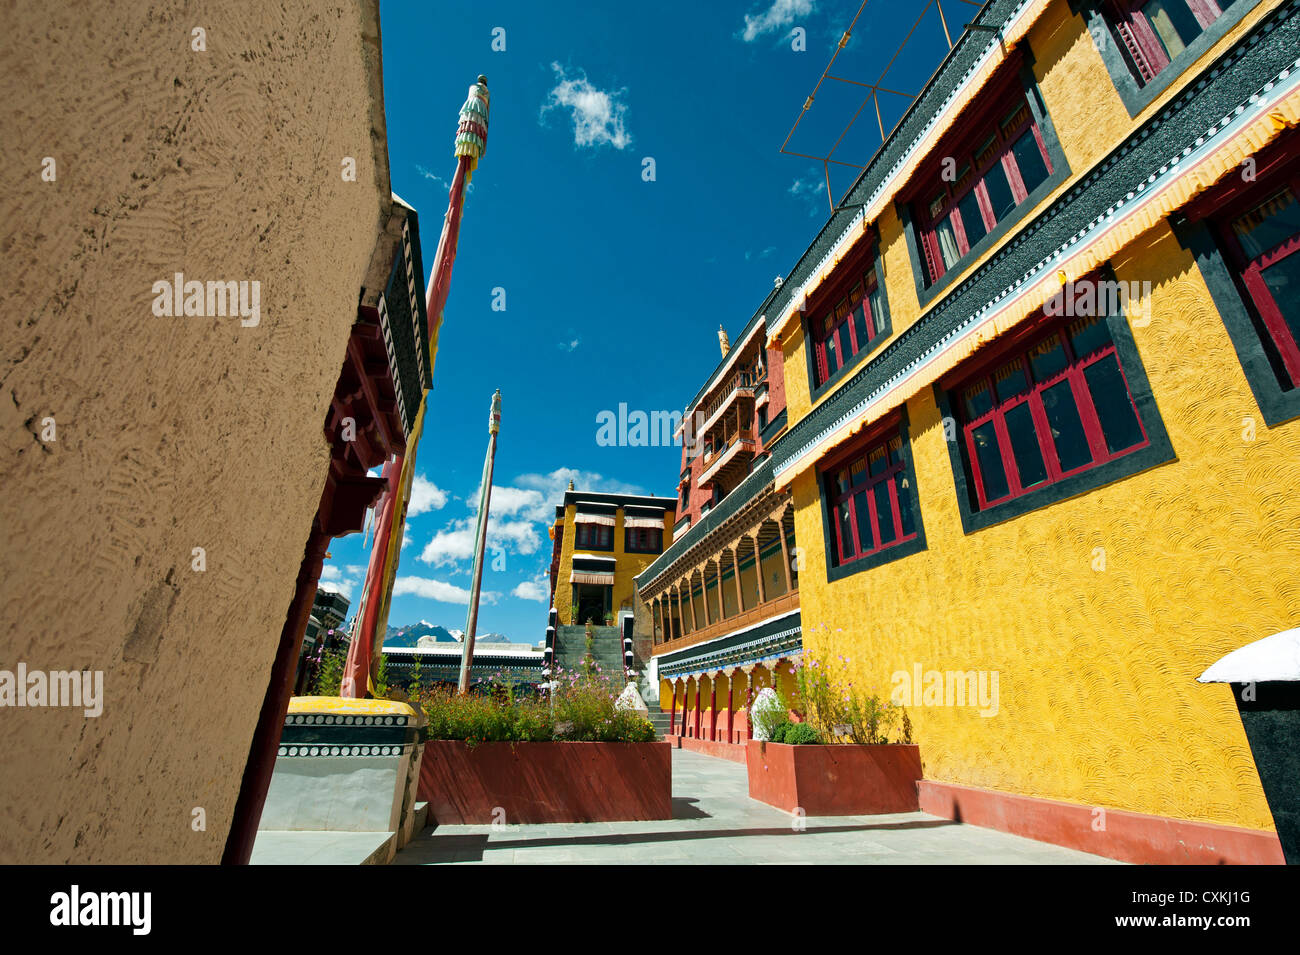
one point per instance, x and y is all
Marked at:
(660, 720)
(607, 651)
(606, 648)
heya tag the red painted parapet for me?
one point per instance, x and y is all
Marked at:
(546, 782)
(835, 780)
(1126, 836)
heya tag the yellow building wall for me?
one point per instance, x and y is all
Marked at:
(626, 568)
(1090, 120)
(1098, 702)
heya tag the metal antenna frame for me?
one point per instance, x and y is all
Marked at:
(873, 96)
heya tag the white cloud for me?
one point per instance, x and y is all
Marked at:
(803, 186)
(532, 590)
(446, 186)
(455, 542)
(336, 580)
(513, 500)
(597, 114)
(425, 496)
(813, 190)
(439, 590)
(521, 513)
(570, 346)
(443, 183)
(778, 16)
(554, 484)
(452, 543)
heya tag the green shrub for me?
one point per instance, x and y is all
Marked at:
(796, 733)
(330, 675)
(840, 711)
(580, 709)
(780, 730)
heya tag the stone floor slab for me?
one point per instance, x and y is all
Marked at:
(715, 822)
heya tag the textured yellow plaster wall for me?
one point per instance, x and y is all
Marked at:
(1098, 699)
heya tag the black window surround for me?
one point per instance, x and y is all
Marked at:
(926, 294)
(842, 288)
(1137, 97)
(1276, 404)
(1159, 450)
(836, 571)
(589, 536)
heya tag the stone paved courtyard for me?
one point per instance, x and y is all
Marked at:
(715, 821)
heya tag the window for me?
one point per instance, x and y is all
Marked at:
(1263, 247)
(871, 501)
(988, 179)
(643, 540)
(594, 536)
(854, 322)
(1154, 32)
(1059, 407)
(1246, 236)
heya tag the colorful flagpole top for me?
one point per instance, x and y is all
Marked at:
(471, 133)
(494, 419)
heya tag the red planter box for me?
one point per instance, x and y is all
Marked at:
(546, 782)
(838, 780)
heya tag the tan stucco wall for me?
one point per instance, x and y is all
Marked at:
(172, 433)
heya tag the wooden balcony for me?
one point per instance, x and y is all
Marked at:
(720, 628)
(739, 385)
(730, 460)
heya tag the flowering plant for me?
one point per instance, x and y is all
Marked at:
(842, 712)
(579, 706)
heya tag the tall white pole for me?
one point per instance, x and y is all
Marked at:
(480, 544)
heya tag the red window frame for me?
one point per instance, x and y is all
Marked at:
(594, 536)
(976, 157)
(850, 485)
(1250, 270)
(1139, 36)
(839, 326)
(1020, 350)
(643, 540)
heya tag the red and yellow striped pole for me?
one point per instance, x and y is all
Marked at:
(372, 620)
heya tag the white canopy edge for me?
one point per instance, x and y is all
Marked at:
(1273, 659)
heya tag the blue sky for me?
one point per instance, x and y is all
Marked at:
(614, 286)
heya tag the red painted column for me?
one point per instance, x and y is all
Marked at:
(713, 709)
(731, 712)
(275, 705)
(672, 720)
(699, 710)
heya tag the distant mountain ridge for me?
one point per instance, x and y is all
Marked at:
(409, 636)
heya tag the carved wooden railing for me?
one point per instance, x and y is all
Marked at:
(743, 379)
(764, 611)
